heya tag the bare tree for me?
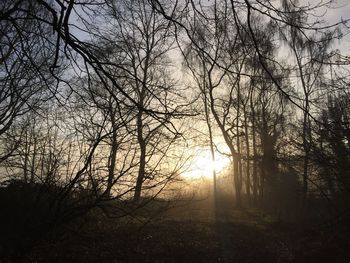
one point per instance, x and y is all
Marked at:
(145, 39)
(26, 57)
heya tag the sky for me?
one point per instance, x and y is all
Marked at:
(341, 11)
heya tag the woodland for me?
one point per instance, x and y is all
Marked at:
(174, 131)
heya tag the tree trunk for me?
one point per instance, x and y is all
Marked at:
(142, 165)
(255, 155)
(248, 182)
(112, 162)
(204, 91)
(236, 180)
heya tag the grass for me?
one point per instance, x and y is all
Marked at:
(196, 231)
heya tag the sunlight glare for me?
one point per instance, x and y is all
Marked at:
(202, 165)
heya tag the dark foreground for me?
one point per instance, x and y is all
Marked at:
(174, 241)
(198, 232)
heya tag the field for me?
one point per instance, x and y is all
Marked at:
(194, 231)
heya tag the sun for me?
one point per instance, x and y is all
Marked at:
(202, 165)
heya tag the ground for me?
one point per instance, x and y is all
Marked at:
(198, 231)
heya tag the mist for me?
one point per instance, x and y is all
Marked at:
(174, 131)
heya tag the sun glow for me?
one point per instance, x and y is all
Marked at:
(202, 165)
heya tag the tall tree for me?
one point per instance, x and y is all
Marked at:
(144, 39)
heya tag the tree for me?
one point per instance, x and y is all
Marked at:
(144, 39)
(219, 41)
(310, 53)
(26, 57)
